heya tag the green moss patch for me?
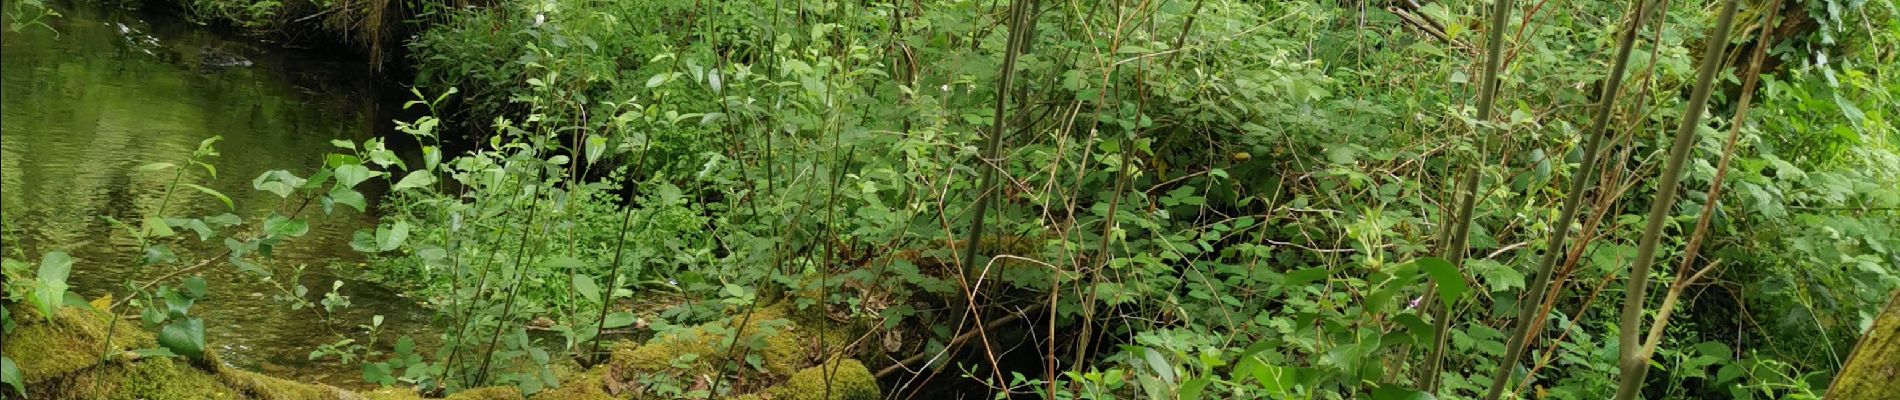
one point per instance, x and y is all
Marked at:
(71, 341)
(61, 359)
(844, 380)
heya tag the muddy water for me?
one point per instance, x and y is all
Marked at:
(112, 90)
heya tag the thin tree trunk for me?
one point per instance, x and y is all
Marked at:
(1573, 199)
(1460, 224)
(1634, 364)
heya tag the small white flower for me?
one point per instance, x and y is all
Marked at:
(540, 18)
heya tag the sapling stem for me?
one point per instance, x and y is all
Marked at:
(508, 306)
(613, 274)
(1461, 221)
(1634, 364)
(1573, 200)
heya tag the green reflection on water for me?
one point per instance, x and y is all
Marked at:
(80, 111)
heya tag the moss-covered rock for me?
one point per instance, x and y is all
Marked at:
(781, 353)
(488, 393)
(264, 387)
(71, 341)
(61, 359)
(589, 385)
(144, 379)
(844, 379)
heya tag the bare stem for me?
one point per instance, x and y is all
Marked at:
(1573, 200)
(1635, 365)
(1461, 221)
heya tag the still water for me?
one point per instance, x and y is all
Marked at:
(113, 90)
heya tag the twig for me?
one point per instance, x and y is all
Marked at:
(956, 341)
(1669, 307)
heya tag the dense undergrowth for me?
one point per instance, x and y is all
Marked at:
(1121, 199)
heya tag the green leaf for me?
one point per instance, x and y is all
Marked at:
(10, 373)
(378, 373)
(430, 157)
(1272, 378)
(221, 197)
(1305, 276)
(196, 286)
(343, 144)
(1451, 284)
(1390, 392)
(278, 225)
(55, 267)
(195, 225)
(391, 237)
(1159, 364)
(619, 319)
(185, 337)
(226, 219)
(563, 263)
(584, 284)
(350, 175)
(596, 146)
(363, 241)
(415, 179)
(177, 304)
(1191, 390)
(279, 182)
(349, 197)
(155, 227)
(157, 166)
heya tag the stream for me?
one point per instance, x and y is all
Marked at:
(82, 109)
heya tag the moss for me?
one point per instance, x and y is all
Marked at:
(392, 394)
(72, 341)
(1875, 363)
(849, 380)
(487, 393)
(264, 387)
(585, 386)
(145, 379)
(61, 360)
(781, 355)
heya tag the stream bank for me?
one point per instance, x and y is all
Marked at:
(113, 90)
(60, 356)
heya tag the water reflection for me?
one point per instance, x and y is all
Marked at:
(81, 111)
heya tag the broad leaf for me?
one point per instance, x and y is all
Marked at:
(619, 319)
(584, 285)
(350, 175)
(55, 267)
(391, 237)
(155, 227)
(278, 225)
(1390, 392)
(1451, 284)
(10, 374)
(415, 179)
(278, 182)
(185, 337)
